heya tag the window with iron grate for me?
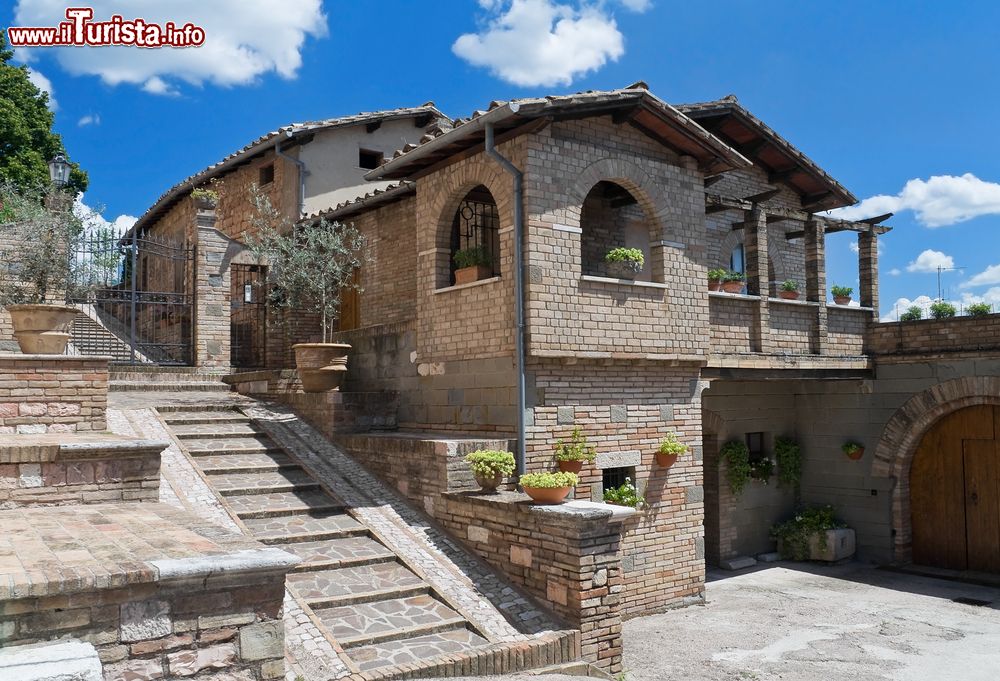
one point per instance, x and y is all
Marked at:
(476, 225)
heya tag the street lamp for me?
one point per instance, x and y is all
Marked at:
(59, 170)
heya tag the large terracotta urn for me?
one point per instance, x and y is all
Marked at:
(321, 366)
(42, 329)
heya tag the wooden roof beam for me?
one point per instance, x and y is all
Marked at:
(763, 196)
(712, 179)
(783, 175)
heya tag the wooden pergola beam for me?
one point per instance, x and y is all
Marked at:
(716, 203)
(763, 196)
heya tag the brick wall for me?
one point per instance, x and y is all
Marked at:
(846, 330)
(732, 320)
(792, 326)
(935, 336)
(52, 393)
(389, 279)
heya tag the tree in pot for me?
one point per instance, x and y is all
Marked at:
(472, 264)
(310, 265)
(841, 294)
(490, 467)
(715, 278)
(548, 488)
(670, 449)
(571, 455)
(789, 290)
(624, 263)
(733, 282)
(42, 266)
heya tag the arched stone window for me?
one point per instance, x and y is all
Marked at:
(612, 217)
(475, 235)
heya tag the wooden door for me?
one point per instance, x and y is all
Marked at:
(982, 504)
(350, 306)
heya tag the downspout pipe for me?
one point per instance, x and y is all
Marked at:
(518, 178)
(302, 173)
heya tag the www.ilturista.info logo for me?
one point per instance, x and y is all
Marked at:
(79, 30)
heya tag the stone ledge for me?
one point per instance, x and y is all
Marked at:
(61, 661)
(462, 287)
(624, 282)
(84, 359)
(573, 510)
(53, 447)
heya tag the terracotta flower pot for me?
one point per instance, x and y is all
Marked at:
(732, 286)
(714, 284)
(468, 275)
(547, 495)
(665, 460)
(788, 295)
(42, 329)
(570, 466)
(489, 483)
(321, 366)
(842, 300)
(857, 454)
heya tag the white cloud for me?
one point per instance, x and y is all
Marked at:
(93, 220)
(991, 275)
(903, 304)
(853, 245)
(543, 42)
(244, 40)
(89, 119)
(930, 261)
(40, 81)
(939, 201)
(895, 271)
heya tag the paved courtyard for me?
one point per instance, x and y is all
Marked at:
(799, 622)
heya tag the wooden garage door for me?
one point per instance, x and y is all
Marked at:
(955, 492)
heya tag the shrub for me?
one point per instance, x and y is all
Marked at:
(978, 310)
(737, 458)
(489, 462)
(716, 274)
(549, 480)
(734, 276)
(577, 449)
(912, 314)
(942, 310)
(471, 257)
(633, 255)
(625, 495)
(841, 291)
(790, 286)
(788, 454)
(794, 534)
(671, 445)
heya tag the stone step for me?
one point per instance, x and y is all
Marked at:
(254, 462)
(166, 386)
(237, 484)
(414, 650)
(282, 503)
(188, 408)
(359, 584)
(304, 527)
(232, 445)
(386, 620)
(203, 417)
(208, 431)
(330, 554)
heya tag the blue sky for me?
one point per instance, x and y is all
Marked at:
(885, 96)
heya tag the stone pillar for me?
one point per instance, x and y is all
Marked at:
(868, 268)
(212, 304)
(815, 243)
(758, 280)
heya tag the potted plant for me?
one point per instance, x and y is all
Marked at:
(624, 495)
(670, 449)
(548, 488)
(762, 469)
(733, 282)
(490, 467)
(624, 263)
(789, 290)
(912, 314)
(310, 265)
(46, 232)
(472, 264)
(978, 310)
(715, 278)
(814, 534)
(942, 310)
(572, 454)
(204, 198)
(736, 456)
(841, 294)
(853, 450)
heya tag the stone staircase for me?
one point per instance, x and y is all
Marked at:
(372, 601)
(152, 378)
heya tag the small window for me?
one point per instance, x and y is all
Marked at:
(616, 477)
(266, 174)
(369, 160)
(737, 263)
(755, 444)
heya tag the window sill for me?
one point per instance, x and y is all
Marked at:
(737, 296)
(624, 282)
(785, 301)
(481, 282)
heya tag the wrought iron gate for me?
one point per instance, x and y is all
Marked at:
(137, 297)
(248, 316)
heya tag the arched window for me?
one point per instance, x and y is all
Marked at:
(475, 237)
(737, 260)
(610, 218)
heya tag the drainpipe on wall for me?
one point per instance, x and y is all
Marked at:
(518, 177)
(302, 173)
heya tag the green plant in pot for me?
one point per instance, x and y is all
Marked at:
(472, 264)
(805, 534)
(789, 290)
(490, 467)
(762, 469)
(715, 278)
(624, 495)
(853, 450)
(733, 282)
(309, 267)
(841, 294)
(670, 449)
(548, 488)
(624, 263)
(573, 454)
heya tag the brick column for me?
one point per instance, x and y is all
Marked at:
(868, 268)
(815, 243)
(212, 305)
(758, 280)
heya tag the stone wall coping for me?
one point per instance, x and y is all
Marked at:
(429, 436)
(777, 361)
(69, 660)
(21, 357)
(785, 301)
(849, 308)
(571, 355)
(270, 559)
(722, 295)
(481, 282)
(50, 447)
(574, 510)
(623, 282)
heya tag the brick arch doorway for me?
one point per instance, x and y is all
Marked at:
(955, 492)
